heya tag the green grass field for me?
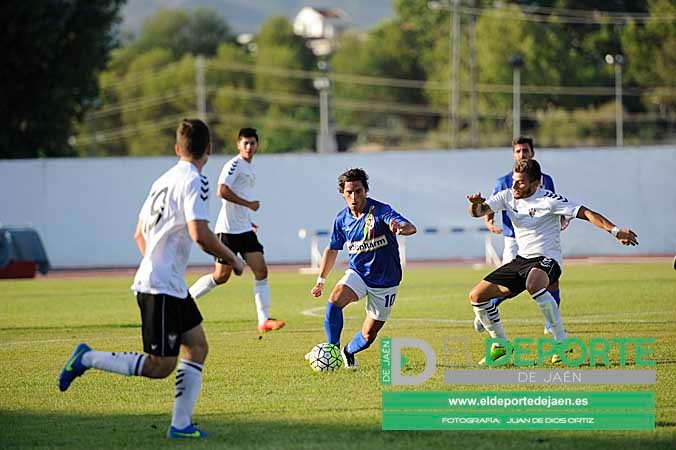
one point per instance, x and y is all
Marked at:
(260, 393)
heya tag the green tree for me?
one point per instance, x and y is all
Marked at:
(388, 51)
(53, 53)
(651, 56)
(232, 102)
(157, 101)
(283, 118)
(200, 32)
(150, 84)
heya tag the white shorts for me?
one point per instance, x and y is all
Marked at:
(379, 300)
(510, 251)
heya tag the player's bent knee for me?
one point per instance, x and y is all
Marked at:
(533, 286)
(158, 366)
(197, 353)
(342, 296)
(475, 295)
(221, 277)
(261, 274)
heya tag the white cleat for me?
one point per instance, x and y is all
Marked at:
(478, 326)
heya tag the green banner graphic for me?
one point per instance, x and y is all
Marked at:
(518, 410)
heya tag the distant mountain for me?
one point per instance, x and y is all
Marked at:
(246, 16)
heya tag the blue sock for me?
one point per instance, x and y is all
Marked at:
(557, 296)
(333, 323)
(497, 300)
(358, 343)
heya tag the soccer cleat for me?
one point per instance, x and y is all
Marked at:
(497, 352)
(478, 326)
(349, 361)
(548, 329)
(556, 358)
(189, 432)
(73, 368)
(270, 325)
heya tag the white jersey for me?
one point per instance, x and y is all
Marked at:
(179, 196)
(239, 176)
(536, 220)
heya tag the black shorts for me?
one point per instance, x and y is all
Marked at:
(164, 320)
(513, 274)
(240, 243)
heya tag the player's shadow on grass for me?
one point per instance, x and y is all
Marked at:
(65, 329)
(322, 431)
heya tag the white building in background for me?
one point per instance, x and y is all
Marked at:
(320, 27)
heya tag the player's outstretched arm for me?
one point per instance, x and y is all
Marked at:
(328, 260)
(228, 194)
(478, 206)
(209, 243)
(405, 228)
(489, 220)
(138, 237)
(624, 235)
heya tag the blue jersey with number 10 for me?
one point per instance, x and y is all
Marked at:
(371, 245)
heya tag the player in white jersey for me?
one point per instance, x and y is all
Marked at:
(536, 216)
(174, 215)
(522, 148)
(238, 232)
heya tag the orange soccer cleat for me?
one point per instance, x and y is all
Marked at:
(270, 325)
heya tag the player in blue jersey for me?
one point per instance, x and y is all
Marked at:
(369, 229)
(522, 149)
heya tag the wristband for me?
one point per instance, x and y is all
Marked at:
(614, 231)
(321, 280)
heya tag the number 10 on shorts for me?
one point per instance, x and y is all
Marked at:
(389, 300)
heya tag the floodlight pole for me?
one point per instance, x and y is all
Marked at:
(618, 60)
(517, 62)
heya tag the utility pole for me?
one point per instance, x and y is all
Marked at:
(472, 80)
(455, 57)
(201, 88)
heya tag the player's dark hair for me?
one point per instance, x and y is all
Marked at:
(531, 168)
(523, 140)
(193, 137)
(353, 175)
(247, 133)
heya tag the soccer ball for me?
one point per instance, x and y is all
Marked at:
(324, 357)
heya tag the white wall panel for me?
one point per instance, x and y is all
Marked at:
(85, 209)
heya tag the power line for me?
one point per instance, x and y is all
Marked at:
(571, 16)
(139, 103)
(139, 77)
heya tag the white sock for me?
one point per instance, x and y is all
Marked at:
(202, 286)
(551, 312)
(489, 316)
(188, 385)
(262, 299)
(124, 363)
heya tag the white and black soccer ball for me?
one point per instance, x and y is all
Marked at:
(325, 357)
